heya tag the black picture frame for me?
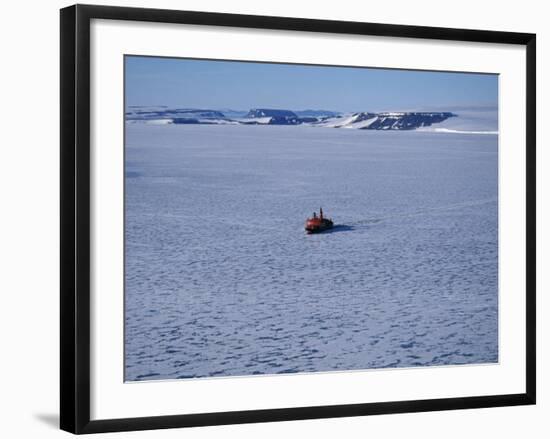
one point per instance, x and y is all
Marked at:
(75, 217)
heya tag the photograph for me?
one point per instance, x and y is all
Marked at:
(293, 218)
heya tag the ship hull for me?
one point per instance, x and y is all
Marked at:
(313, 226)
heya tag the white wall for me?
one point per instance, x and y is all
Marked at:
(29, 218)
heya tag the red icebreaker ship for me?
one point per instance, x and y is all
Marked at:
(318, 224)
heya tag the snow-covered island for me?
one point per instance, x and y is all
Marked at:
(268, 116)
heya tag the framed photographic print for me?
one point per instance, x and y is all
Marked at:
(268, 218)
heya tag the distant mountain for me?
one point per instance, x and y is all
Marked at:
(145, 113)
(270, 116)
(208, 114)
(316, 113)
(480, 120)
(387, 121)
(276, 117)
(267, 112)
(232, 113)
